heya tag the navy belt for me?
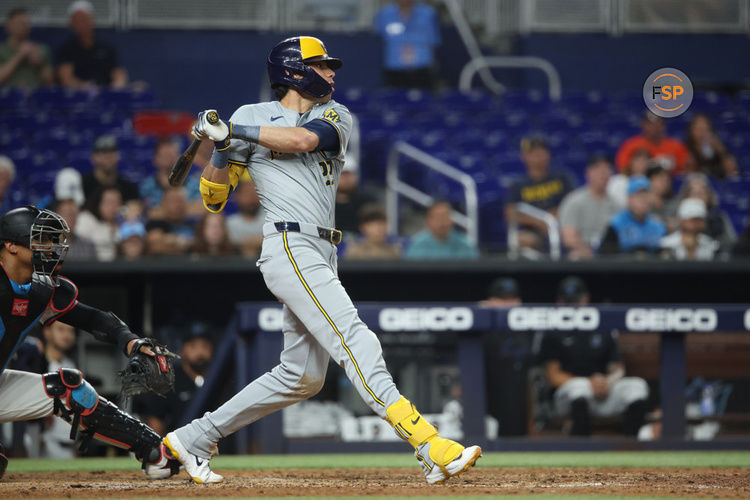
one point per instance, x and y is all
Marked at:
(330, 235)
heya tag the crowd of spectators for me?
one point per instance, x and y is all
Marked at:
(654, 198)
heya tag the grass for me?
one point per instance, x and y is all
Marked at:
(387, 460)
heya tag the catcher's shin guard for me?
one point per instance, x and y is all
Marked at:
(92, 416)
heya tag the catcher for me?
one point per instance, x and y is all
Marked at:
(33, 244)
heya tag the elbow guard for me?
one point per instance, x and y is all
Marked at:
(215, 195)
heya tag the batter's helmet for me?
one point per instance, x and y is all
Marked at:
(292, 56)
(44, 232)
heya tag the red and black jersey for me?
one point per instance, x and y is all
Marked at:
(22, 306)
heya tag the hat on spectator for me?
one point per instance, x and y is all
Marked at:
(637, 184)
(504, 288)
(106, 143)
(571, 289)
(197, 330)
(654, 168)
(692, 208)
(69, 186)
(130, 229)
(83, 5)
(7, 164)
(531, 142)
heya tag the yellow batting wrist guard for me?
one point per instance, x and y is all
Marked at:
(215, 195)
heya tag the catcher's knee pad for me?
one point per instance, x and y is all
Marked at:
(68, 388)
(95, 417)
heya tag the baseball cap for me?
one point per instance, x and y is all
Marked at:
(197, 330)
(69, 186)
(692, 208)
(105, 143)
(571, 289)
(532, 142)
(503, 288)
(130, 229)
(637, 184)
(83, 5)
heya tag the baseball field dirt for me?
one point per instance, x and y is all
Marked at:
(589, 475)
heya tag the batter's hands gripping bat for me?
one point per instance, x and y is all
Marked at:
(181, 167)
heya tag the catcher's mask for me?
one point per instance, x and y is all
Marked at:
(292, 56)
(44, 232)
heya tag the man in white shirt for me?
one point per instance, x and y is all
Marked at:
(689, 242)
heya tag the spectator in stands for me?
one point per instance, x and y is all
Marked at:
(718, 225)
(165, 413)
(105, 158)
(410, 33)
(689, 242)
(617, 188)
(211, 237)
(81, 247)
(132, 240)
(708, 154)
(541, 188)
(349, 200)
(245, 228)
(152, 188)
(99, 219)
(7, 176)
(84, 61)
(69, 186)
(503, 292)
(670, 153)
(374, 242)
(585, 213)
(439, 239)
(23, 63)
(663, 200)
(634, 230)
(587, 373)
(59, 340)
(172, 234)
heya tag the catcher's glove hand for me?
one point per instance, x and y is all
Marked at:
(145, 373)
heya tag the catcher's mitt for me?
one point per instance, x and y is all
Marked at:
(145, 373)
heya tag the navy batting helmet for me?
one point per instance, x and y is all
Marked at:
(44, 232)
(292, 56)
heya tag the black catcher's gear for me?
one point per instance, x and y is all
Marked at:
(44, 232)
(145, 373)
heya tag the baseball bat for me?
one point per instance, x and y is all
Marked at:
(181, 167)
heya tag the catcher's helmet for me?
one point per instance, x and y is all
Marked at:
(291, 56)
(44, 232)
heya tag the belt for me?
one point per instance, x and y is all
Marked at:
(330, 235)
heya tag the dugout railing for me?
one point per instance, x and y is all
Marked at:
(253, 341)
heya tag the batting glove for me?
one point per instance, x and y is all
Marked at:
(217, 131)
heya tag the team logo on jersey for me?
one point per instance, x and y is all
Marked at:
(331, 115)
(20, 307)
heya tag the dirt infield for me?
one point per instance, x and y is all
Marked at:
(669, 482)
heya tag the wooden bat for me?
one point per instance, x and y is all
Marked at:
(181, 167)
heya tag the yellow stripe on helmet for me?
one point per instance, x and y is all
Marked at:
(311, 47)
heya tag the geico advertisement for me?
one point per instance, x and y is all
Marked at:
(437, 319)
(553, 318)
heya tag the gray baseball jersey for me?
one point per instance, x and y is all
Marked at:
(320, 320)
(299, 187)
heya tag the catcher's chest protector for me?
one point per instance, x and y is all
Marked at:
(21, 306)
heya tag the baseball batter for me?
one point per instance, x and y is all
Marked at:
(33, 243)
(294, 150)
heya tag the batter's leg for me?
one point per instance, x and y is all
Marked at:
(308, 285)
(298, 376)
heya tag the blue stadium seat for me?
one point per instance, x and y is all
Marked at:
(11, 99)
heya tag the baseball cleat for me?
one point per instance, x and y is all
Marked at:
(196, 467)
(435, 472)
(167, 466)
